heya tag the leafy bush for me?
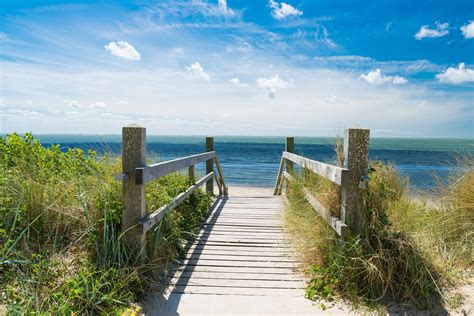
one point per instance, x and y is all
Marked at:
(61, 246)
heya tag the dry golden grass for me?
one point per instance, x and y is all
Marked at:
(411, 250)
(311, 235)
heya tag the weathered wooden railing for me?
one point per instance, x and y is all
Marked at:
(136, 174)
(351, 178)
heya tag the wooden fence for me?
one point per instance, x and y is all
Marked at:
(351, 178)
(136, 174)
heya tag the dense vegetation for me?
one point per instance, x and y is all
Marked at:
(411, 253)
(61, 246)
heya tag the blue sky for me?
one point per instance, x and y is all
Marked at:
(309, 68)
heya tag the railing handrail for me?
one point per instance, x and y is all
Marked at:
(154, 217)
(351, 178)
(148, 173)
(333, 173)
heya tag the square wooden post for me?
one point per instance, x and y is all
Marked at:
(290, 147)
(356, 153)
(133, 156)
(210, 165)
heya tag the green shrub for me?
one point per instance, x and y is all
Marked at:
(61, 247)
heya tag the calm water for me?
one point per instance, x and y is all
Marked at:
(254, 161)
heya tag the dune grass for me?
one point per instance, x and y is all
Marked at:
(412, 251)
(61, 248)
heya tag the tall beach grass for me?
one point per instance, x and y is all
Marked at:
(61, 245)
(412, 252)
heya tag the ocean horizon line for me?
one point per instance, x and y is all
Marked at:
(2, 134)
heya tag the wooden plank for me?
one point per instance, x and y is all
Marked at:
(200, 252)
(259, 270)
(227, 238)
(241, 276)
(240, 225)
(335, 174)
(334, 222)
(236, 283)
(233, 256)
(266, 223)
(243, 264)
(277, 248)
(262, 232)
(157, 215)
(246, 237)
(238, 291)
(232, 241)
(144, 175)
(241, 248)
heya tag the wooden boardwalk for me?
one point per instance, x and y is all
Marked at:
(240, 263)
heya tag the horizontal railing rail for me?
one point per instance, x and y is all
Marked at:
(351, 178)
(333, 173)
(153, 218)
(144, 175)
(136, 174)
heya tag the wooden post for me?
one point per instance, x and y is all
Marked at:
(356, 153)
(191, 173)
(210, 165)
(133, 156)
(290, 147)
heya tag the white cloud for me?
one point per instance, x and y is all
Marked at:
(222, 5)
(98, 105)
(194, 8)
(283, 10)
(376, 77)
(272, 84)
(456, 75)
(468, 30)
(398, 80)
(74, 104)
(344, 58)
(236, 82)
(300, 58)
(196, 71)
(440, 30)
(243, 47)
(123, 49)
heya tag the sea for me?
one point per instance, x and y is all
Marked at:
(254, 161)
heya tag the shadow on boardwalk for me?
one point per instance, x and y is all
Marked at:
(239, 263)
